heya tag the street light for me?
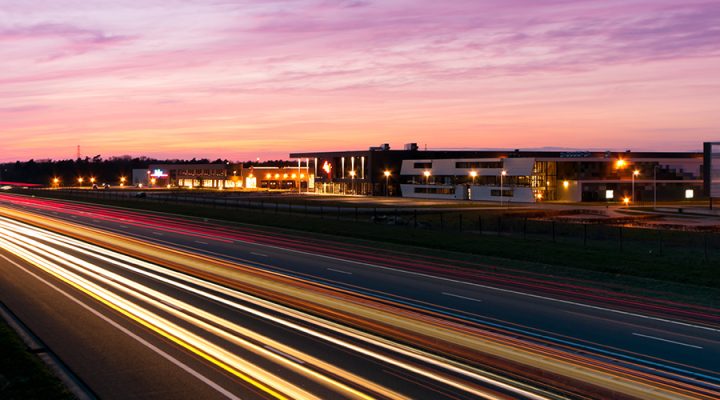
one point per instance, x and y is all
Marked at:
(502, 194)
(122, 181)
(92, 180)
(620, 163)
(152, 181)
(473, 175)
(427, 176)
(352, 181)
(387, 183)
(80, 181)
(634, 174)
(655, 168)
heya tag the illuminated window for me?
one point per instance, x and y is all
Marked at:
(609, 194)
(689, 193)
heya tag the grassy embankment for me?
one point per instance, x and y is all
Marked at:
(22, 374)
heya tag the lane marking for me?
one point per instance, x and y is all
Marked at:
(286, 355)
(200, 242)
(158, 233)
(627, 313)
(461, 297)
(258, 254)
(666, 340)
(123, 226)
(124, 330)
(340, 271)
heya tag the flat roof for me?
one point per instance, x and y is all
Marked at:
(439, 154)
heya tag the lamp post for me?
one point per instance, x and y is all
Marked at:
(387, 183)
(352, 181)
(655, 168)
(80, 181)
(473, 175)
(502, 191)
(427, 176)
(634, 174)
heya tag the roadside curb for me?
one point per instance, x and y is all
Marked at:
(36, 346)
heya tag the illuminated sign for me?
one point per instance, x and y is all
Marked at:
(327, 167)
(158, 173)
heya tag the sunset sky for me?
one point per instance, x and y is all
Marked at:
(241, 79)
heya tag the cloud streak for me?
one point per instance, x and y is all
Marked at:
(347, 73)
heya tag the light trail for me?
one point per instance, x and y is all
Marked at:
(29, 249)
(447, 364)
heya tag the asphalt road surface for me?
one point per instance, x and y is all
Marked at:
(87, 303)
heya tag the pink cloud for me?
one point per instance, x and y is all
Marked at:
(143, 76)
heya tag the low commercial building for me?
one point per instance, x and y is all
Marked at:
(511, 176)
(223, 176)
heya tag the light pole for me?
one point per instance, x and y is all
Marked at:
(387, 183)
(655, 168)
(473, 175)
(80, 181)
(427, 177)
(634, 174)
(502, 194)
(352, 181)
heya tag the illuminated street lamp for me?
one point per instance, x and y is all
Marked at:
(634, 174)
(152, 181)
(352, 181)
(387, 183)
(122, 181)
(427, 176)
(80, 181)
(626, 200)
(620, 163)
(473, 175)
(502, 188)
(56, 182)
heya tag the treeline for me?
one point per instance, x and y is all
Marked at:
(103, 170)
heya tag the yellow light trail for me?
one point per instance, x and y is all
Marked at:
(612, 377)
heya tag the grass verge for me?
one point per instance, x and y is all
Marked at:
(22, 373)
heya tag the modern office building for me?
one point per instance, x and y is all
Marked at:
(512, 176)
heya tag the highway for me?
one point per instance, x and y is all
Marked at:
(249, 345)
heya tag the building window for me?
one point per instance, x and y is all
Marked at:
(478, 164)
(505, 193)
(422, 165)
(609, 194)
(689, 193)
(435, 190)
